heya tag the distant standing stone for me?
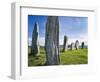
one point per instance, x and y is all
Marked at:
(82, 45)
(35, 43)
(72, 46)
(65, 46)
(52, 41)
(77, 44)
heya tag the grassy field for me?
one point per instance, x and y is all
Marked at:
(69, 57)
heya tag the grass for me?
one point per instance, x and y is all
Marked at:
(74, 57)
(66, 58)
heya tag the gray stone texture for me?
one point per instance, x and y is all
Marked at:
(82, 45)
(65, 45)
(77, 44)
(72, 46)
(52, 41)
(35, 43)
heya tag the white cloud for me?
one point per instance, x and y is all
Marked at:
(29, 41)
(42, 41)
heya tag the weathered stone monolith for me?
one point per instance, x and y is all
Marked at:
(72, 46)
(65, 45)
(52, 41)
(35, 42)
(77, 44)
(82, 45)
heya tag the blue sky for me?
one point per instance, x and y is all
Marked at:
(76, 28)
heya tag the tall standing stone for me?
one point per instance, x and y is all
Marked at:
(77, 44)
(35, 43)
(82, 45)
(65, 46)
(52, 40)
(72, 46)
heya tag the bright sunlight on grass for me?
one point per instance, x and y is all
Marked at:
(69, 57)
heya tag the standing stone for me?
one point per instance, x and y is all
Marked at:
(35, 43)
(65, 46)
(77, 44)
(72, 46)
(82, 45)
(52, 41)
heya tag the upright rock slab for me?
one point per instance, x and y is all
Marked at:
(35, 43)
(77, 44)
(65, 46)
(52, 40)
(72, 46)
(82, 45)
